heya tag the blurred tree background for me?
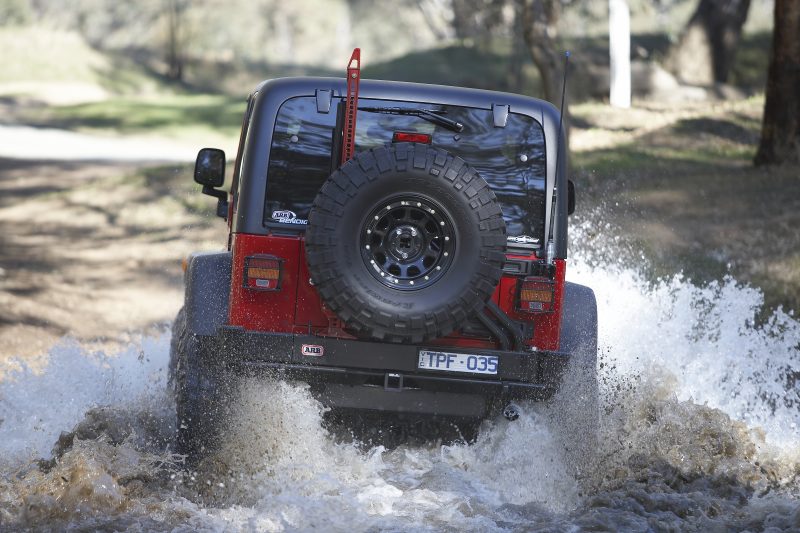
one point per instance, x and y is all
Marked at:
(680, 50)
(503, 44)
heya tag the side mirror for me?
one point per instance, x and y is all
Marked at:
(209, 168)
(570, 197)
(209, 171)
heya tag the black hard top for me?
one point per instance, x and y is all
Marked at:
(270, 94)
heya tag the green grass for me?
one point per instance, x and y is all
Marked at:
(181, 113)
(46, 55)
(36, 54)
(660, 160)
(453, 65)
(707, 141)
(178, 115)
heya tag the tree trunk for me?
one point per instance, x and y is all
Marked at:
(518, 52)
(175, 59)
(434, 13)
(706, 49)
(780, 131)
(619, 51)
(539, 19)
(475, 21)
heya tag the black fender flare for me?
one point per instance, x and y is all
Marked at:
(197, 386)
(208, 284)
(578, 400)
(579, 323)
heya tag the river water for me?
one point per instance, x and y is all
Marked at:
(699, 432)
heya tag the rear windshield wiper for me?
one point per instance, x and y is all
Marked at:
(426, 114)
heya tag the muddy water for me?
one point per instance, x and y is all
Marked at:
(699, 433)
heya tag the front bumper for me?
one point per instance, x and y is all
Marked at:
(378, 376)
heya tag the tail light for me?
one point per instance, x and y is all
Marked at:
(536, 295)
(262, 272)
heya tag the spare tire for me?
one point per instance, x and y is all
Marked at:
(404, 243)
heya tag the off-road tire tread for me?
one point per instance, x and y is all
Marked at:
(386, 163)
(195, 410)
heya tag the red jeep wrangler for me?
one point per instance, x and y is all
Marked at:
(400, 247)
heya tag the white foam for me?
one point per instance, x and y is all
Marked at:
(706, 339)
(700, 342)
(36, 407)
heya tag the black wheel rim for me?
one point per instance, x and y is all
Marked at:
(408, 243)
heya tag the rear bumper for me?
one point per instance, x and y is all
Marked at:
(385, 377)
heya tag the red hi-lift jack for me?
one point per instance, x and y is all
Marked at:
(351, 105)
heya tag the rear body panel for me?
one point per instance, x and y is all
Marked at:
(265, 310)
(295, 307)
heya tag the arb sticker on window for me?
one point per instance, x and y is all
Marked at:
(287, 217)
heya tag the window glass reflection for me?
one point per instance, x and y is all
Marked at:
(510, 159)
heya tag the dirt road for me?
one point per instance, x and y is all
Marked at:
(29, 143)
(93, 249)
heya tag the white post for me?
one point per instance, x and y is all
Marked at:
(619, 49)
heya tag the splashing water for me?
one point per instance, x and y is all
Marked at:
(703, 340)
(35, 408)
(699, 431)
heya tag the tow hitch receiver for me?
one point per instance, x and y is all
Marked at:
(393, 382)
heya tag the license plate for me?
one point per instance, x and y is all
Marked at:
(458, 362)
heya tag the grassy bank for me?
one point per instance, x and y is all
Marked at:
(185, 116)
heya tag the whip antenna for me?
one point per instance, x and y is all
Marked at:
(563, 93)
(551, 244)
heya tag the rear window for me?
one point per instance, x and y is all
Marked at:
(511, 159)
